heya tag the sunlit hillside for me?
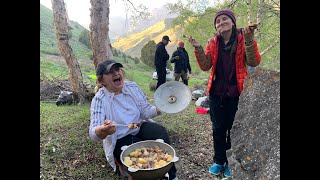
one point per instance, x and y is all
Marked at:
(133, 44)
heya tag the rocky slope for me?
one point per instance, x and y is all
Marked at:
(255, 152)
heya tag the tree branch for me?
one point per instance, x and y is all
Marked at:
(271, 46)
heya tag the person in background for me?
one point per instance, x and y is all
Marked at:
(182, 68)
(160, 61)
(122, 102)
(227, 54)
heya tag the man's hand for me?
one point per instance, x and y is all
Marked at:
(105, 129)
(189, 76)
(177, 57)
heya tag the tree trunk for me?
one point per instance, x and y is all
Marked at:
(259, 14)
(62, 29)
(249, 11)
(99, 31)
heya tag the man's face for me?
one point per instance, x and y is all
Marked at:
(165, 42)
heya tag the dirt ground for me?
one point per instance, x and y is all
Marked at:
(195, 150)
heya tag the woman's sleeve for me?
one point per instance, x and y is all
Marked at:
(252, 54)
(96, 118)
(147, 110)
(204, 58)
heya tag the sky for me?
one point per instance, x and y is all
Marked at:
(78, 10)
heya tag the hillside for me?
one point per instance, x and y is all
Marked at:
(53, 66)
(48, 44)
(133, 43)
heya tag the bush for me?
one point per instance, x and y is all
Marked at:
(152, 86)
(84, 38)
(148, 53)
(70, 34)
(136, 60)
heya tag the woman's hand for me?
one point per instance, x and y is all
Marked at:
(158, 111)
(105, 129)
(248, 33)
(193, 42)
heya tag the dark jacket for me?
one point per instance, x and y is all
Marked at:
(181, 64)
(161, 56)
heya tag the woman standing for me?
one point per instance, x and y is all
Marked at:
(227, 54)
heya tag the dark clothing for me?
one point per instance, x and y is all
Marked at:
(224, 98)
(160, 62)
(148, 131)
(161, 55)
(222, 113)
(161, 73)
(183, 63)
(225, 83)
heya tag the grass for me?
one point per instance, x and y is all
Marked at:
(66, 150)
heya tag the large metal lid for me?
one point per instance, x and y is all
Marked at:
(172, 97)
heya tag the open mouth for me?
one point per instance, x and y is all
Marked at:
(117, 80)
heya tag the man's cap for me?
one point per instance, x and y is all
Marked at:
(181, 44)
(166, 38)
(105, 66)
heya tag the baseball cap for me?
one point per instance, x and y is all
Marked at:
(166, 38)
(105, 66)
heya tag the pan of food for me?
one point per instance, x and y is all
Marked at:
(149, 159)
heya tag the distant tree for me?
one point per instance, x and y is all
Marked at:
(40, 26)
(69, 34)
(115, 52)
(125, 59)
(148, 52)
(84, 38)
(130, 57)
(136, 60)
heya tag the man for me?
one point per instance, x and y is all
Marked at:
(160, 60)
(181, 62)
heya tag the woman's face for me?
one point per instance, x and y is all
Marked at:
(114, 79)
(223, 24)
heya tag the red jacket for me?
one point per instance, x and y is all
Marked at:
(241, 63)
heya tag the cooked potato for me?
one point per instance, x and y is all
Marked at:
(169, 158)
(142, 161)
(145, 158)
(128, 162)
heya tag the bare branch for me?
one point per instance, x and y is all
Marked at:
(140, 12)
(271, 46)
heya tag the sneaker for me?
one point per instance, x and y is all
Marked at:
(227, 171)
(216, 168)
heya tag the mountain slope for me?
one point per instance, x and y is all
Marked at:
(48, 42)
(133, 43)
